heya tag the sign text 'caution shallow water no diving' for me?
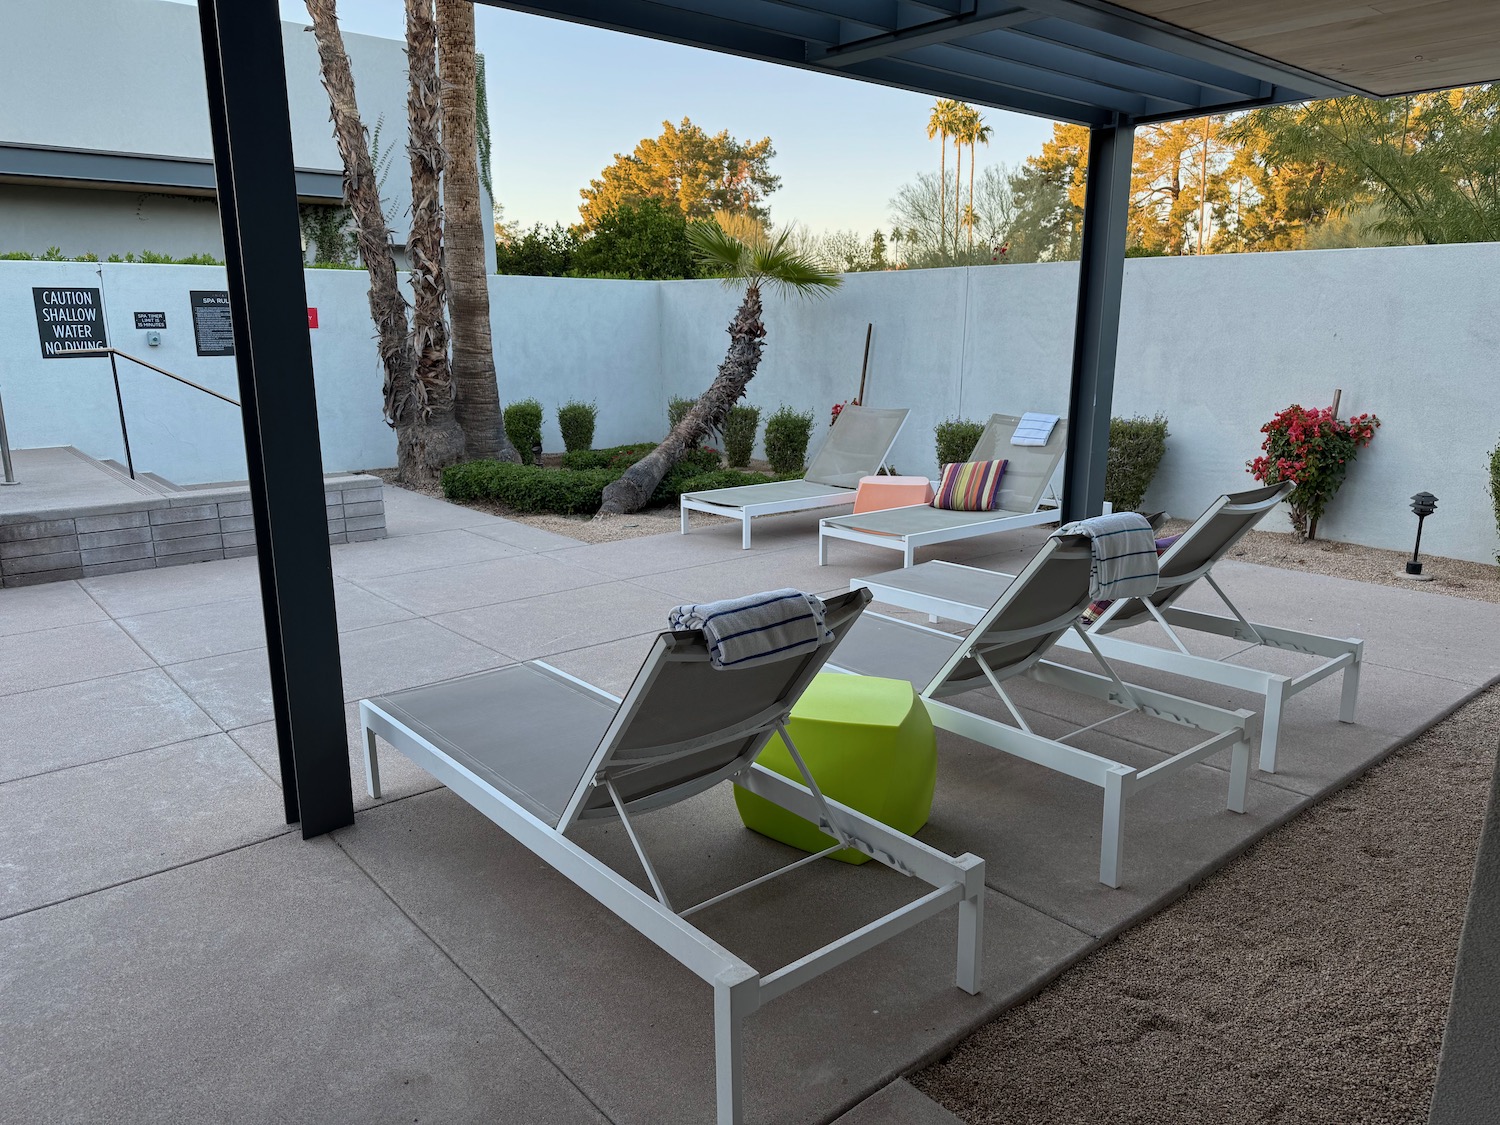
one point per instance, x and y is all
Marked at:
(68, 320)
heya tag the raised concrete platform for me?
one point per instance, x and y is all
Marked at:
(72, 516)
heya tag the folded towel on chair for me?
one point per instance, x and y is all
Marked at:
(760, 628)
(1033, 429)
(1124, 549)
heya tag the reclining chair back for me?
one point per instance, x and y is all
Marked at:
(856, 446)
(1212, 535)
(684, 725)
(1038, 607)
(1029, 469)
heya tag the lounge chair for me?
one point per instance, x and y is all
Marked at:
(856, 446)
(1023, 492)
(538, 752)
(963, 593)
(1010, 639)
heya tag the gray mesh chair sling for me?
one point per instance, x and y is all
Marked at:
(1023, 490)
(963, 593)
(538, 751)
(855, 447)
(1010, 639)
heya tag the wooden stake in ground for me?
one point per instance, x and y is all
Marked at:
(1338, 393)
(864, 367)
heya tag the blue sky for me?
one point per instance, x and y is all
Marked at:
(565, 98)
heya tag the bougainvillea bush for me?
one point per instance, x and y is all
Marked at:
(1314, 449)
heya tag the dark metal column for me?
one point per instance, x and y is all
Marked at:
(1101, 273)
(1468, 1079)
(252, 135)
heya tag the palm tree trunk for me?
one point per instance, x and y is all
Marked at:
(426, 449)
(971, 199)
(362, 194)
(958, 187)
(746, 340)
(475, 390)
(943, 195)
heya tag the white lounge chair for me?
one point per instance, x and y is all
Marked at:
(962, 593)
(856, 446)
(1023, 500)
(1009, 640)
(538, 751)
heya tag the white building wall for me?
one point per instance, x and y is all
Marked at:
(1217, 344)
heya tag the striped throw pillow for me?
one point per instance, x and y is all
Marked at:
(970, 486)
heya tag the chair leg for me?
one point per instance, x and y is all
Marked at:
(971, 932)
(909, 555)
(745, 532)
(822, 549)
(1112, 843)
(372, 765)
(1351, 691)
(1270, 725)
(682, 508)
(733, 999)
(1239, 776)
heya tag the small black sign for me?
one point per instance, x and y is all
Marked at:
(68, 320)
(213, 328)
(150, 320)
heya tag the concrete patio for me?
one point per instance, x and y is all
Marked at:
(174, 952)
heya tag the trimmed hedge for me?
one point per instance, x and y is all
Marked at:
(787, 434)
(1136, 446)
(739, 435)
(575, 489)
(576, 421)
(523, 425)
(956, 439)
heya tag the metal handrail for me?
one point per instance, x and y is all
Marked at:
(10, 472)
(120, 402)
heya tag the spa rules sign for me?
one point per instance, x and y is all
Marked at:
(68, 320)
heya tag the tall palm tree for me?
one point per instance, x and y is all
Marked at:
(424, 452)
(755, 263)
(978, 133)
(475, 389)
(938, 126)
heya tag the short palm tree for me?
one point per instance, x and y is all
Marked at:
(753, 263)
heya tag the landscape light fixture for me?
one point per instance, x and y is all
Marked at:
(1423, 504)
(536, 459)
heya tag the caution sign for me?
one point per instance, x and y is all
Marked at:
(68, 321)
(213, 326)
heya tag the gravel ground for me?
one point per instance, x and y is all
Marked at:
(1307, 982)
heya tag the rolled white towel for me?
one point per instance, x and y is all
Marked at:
(757, 629)
(1034, 429)
(1124, 561)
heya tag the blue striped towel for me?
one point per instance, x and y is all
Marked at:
(1124, 549)
(1033, 429)
(760, 628)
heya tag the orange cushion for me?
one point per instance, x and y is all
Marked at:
(970, 486)
(878, 493)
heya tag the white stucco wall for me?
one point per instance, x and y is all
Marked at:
(1217, 344)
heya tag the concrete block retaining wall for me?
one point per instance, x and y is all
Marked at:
(195, 525)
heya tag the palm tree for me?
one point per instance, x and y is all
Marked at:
(476, 391)
(979, 133)
(423, 452)
(938, 126)
(754, 263)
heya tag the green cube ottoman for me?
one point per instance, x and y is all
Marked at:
(869, 744)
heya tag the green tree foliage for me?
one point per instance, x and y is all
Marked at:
(540, 252)
(686, 167)
(646, 239)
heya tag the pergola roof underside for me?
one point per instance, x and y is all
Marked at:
(1068, 60)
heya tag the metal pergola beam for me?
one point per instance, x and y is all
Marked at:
(1101, 277)
(250, 120)
(944, 30)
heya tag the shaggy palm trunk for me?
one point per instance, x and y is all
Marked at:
(429, 436)
(746, 339)
(476, 393)
(362, 194)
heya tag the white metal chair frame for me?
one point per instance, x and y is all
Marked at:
(1226, 729)
(739, 988)
(1043, 508)
(835, 496)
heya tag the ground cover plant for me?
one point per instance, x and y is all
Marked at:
(956, 439)
(1136, 446)
(1314, 449)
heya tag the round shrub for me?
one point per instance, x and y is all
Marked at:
(787, 434)
(523, 425)
(739, 435)
(576, 421)
(1136, 446)
(956, 439)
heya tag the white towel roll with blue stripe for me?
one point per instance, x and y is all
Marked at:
(758, 629)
